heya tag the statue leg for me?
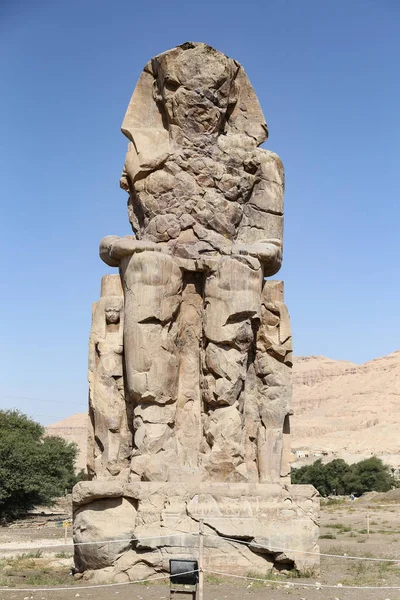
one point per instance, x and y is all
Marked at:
(232, 312)
(188, 421)
(119, 434)
(272, 388)
(152, 287)
(112, 436)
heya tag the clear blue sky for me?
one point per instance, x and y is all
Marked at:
(327, 76)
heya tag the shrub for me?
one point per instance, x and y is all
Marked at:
(338, 477)
(33, 469)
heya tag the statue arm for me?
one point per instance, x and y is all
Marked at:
(113, 248)
(261, 230)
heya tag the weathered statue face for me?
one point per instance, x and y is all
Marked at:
(113, 311)
(194, 125)
(195, 89)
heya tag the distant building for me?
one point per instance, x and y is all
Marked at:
(302, 453)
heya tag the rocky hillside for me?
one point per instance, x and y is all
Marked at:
(342, 409)
(347, 409)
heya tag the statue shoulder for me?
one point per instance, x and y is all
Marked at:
(271, 166)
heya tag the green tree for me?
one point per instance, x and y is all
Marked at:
(335, 472)
(314, 475)
(365, 476)
(33, 469)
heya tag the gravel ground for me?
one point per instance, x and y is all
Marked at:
(343, 531)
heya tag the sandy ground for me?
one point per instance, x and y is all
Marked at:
(343, 531)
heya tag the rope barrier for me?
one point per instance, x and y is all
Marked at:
(138, 539)
(114, 541)
(303, 584)
(280, 549)
(51, 544)
(91, 587)
(311, 585)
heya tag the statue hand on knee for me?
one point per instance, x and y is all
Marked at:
(268, 252)
(114, 248)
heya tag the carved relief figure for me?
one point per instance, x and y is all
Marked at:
(111, 439)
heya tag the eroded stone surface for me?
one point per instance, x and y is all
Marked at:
(110, 437)
(197, 179)
(99, 521)
(277, 524)
(190, 349)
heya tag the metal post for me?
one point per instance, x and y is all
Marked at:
(367, 524)
(201, 556)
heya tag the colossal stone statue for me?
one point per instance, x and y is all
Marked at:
(195, 395)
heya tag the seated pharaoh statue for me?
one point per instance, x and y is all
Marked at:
(206, 207)
(190, 350)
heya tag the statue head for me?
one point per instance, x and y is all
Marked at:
(112, 309)
(193, 88)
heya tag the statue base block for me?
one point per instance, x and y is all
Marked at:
(131, 530)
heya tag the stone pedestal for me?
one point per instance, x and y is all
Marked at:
(248, 528)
